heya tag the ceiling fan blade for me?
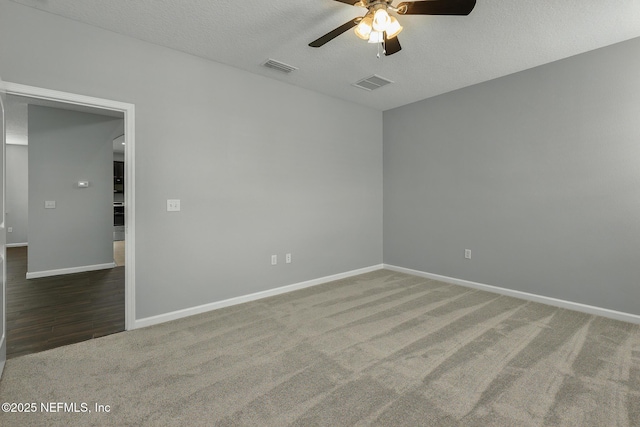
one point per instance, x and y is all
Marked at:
(437, 7)
(351, 2)
(391, 45)
(335, 33)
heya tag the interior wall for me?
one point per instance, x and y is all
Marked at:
(66, 147)
(537, 173)
(260, 167)
(17, 188)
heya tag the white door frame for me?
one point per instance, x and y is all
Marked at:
(3, 267)
(129, 174)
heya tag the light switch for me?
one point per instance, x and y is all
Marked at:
(83, 184)
(49, 204)
(173, 205)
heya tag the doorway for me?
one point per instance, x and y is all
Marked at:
(102, 277)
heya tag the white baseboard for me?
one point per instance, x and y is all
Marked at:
(71, 270)
(16, 245)
(174, 315)
(584, 308)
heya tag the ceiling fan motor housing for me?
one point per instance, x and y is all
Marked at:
(369, 3)
(374, 5)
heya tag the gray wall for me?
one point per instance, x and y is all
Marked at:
(538, 173)
(261, 167)
(66, 147)
(17, 193)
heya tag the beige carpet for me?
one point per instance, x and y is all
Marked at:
(384, 349)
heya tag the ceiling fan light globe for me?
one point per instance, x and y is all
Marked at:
(394, 28)
(363, 29)
(381, 20)
(376, 37)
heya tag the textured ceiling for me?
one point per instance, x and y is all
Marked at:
(439, 53)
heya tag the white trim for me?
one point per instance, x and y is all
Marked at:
(70, 270)
(129, 218)
(16, 245)
(129, 124)
(576, 306)
(174, 315)
(3, 202)
(70, 98)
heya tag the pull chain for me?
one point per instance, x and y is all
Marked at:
(381, 45)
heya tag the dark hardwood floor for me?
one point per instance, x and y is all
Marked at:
(54, 311)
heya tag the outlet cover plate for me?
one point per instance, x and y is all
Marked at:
(173, 205)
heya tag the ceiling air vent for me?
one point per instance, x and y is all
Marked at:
(372, 83)
(279, 66)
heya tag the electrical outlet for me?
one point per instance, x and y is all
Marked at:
(173, 205)
(9, 229)
(50, 204)
(467, 253)
(288, 258)
(274, 259)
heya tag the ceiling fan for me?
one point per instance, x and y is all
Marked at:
(377, 26)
